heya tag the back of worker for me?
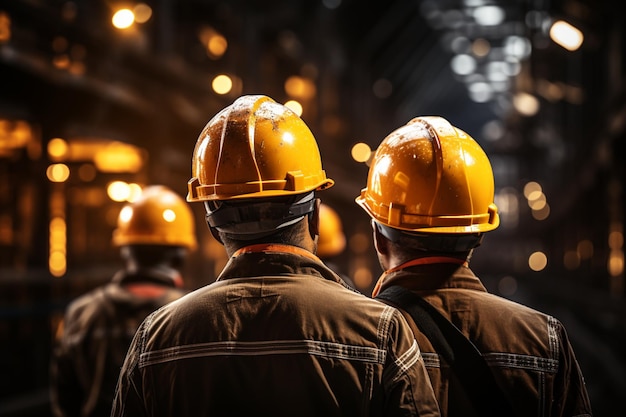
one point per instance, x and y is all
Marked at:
(528, 351)
(287, 343)
(430, 194)
(278, 333)
(154, 235)
(98, 329)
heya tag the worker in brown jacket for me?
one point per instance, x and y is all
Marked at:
(278, 333)
(430, 194)
(154, 235)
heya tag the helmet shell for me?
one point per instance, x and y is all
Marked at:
(429, 176)
(255, 148)
(158, 217)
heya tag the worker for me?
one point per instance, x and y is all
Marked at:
(430, 196)
(278, 333)
(154, 235)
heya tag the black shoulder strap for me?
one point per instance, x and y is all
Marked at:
(458, 351)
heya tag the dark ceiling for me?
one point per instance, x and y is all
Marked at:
(375, 66)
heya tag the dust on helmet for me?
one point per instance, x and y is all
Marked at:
(431, 177)
(255, 148)
(257, 154)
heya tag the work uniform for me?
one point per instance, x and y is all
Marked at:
(97, 330)
(527, 351)
(277, 334)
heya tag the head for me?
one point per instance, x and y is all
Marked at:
(430, 191)
(256, 167)
(155, 229)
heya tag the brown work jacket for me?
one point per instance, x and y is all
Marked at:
(278, 334)
(528, 351)
(97, 330)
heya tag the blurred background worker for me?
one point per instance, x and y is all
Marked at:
(154, 234)
(430, 194)
(279, 333)
(332, 240)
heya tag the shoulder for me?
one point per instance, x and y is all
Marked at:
(497, 319)
(88, 303)
(492, 303)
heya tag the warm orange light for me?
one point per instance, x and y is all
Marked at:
(15, 134)
(217, 46)
(57, 235)
(5, 27)
(294, 106)
(566, 35)
(215, 43)
(537, 261)
(123, 18)
(57, 264)
(616, 263)
(300, 87)
(362, 277)
(526, 104)
(118, 191)
(58, 172)
(57, 149)
(135, 191)
(142, 12)
(118, 157)
(361, 152)
(222, 84)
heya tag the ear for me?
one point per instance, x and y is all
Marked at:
(380, 242)
(314, 220)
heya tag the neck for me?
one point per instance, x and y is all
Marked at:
(394, 260)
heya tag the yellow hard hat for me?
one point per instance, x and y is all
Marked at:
(429, 176)
(255, 148)
(158, 217)
(332, 240)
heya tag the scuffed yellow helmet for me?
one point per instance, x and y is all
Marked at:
(255, 148)
(429, 176)
(158, 217)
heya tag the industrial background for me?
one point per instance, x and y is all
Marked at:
(95, 102)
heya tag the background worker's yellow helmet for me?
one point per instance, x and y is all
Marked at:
(332, 240)
(256, 166)
(158, 217)
(255, 148)
(431, 177)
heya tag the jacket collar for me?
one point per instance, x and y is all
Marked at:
(429, 276)
(156, 275)
(276, 259)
